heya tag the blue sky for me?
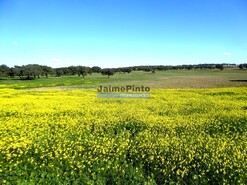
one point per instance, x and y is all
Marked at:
(117, 33)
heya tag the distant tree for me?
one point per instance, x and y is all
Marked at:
(189, 67)
(219, 66)
(241, 66)
(96, 69)
(160, 68)
(46, 70)
(147, 69)
(4, 69)
(82, 70)
(59, 71)
(28, 71)
(118, 70)
(89, 70)
(19, 71)
(65, 70)
(108, 72)
(11, 72)
(32, 70)
(37, 70)
(25, 71)
(126, 70)
(73, 70)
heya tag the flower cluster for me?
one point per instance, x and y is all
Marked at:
(73, 137)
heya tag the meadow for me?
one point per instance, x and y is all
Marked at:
(172, 79)
(192, 130)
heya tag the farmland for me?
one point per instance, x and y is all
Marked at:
(172, 79)
(192, 130)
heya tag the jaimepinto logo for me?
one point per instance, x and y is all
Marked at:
(128, 91)
(127, 88)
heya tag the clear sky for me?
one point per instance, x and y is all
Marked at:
(117, 33)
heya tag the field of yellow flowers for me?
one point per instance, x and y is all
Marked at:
(73, 137)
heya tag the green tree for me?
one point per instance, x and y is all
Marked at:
(19, 71)
(46, 70)
(108, 72)
(241, 66)
(82, 70)
(11, 72)
(96, 69)
(58, 71)
(73, 70)
(3, 69)
(32, 70)
(126, 70)
(219, 66)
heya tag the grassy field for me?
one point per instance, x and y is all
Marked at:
(161, 79)
(192, 130)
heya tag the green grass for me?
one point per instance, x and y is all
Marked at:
(161, 79)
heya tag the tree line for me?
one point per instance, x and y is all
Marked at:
(32, 71)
